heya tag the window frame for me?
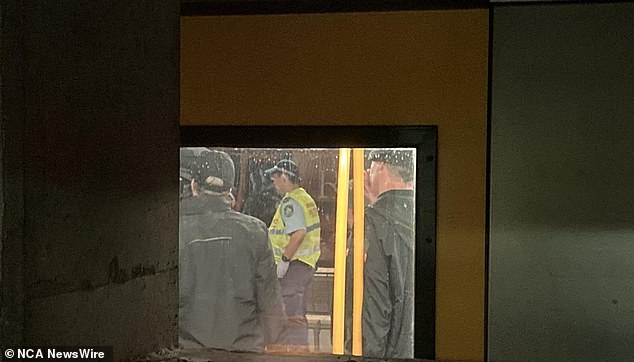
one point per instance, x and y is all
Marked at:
(423, 138)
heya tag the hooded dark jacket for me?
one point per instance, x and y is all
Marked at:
(388, 292)
(229, 294)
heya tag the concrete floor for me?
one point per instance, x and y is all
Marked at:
(225, 356)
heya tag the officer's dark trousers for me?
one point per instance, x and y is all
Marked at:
(294, 285)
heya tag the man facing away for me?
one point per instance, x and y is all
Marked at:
(229, 294)
(388, 293)
(295, 235)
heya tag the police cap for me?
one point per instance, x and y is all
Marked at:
(285, 166)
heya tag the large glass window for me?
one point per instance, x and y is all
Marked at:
(307, 249)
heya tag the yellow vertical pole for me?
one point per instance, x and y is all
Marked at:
(359, 250)
(341, 229)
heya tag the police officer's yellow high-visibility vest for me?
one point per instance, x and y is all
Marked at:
(308, 251)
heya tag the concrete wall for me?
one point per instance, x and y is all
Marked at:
(562, 170)
(90, 113)
(12, 116)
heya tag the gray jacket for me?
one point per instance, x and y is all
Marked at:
(388, 293)
(229, 293)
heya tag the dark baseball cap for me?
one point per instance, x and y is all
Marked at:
(396, 157)
(214, 171)
(284, 166)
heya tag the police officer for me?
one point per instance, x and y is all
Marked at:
(295, 235)
(388, 294)
(229, 294)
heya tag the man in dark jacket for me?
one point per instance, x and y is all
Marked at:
(229, 293)
(388, 294)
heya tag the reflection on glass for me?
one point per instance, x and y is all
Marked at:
(257, 241)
